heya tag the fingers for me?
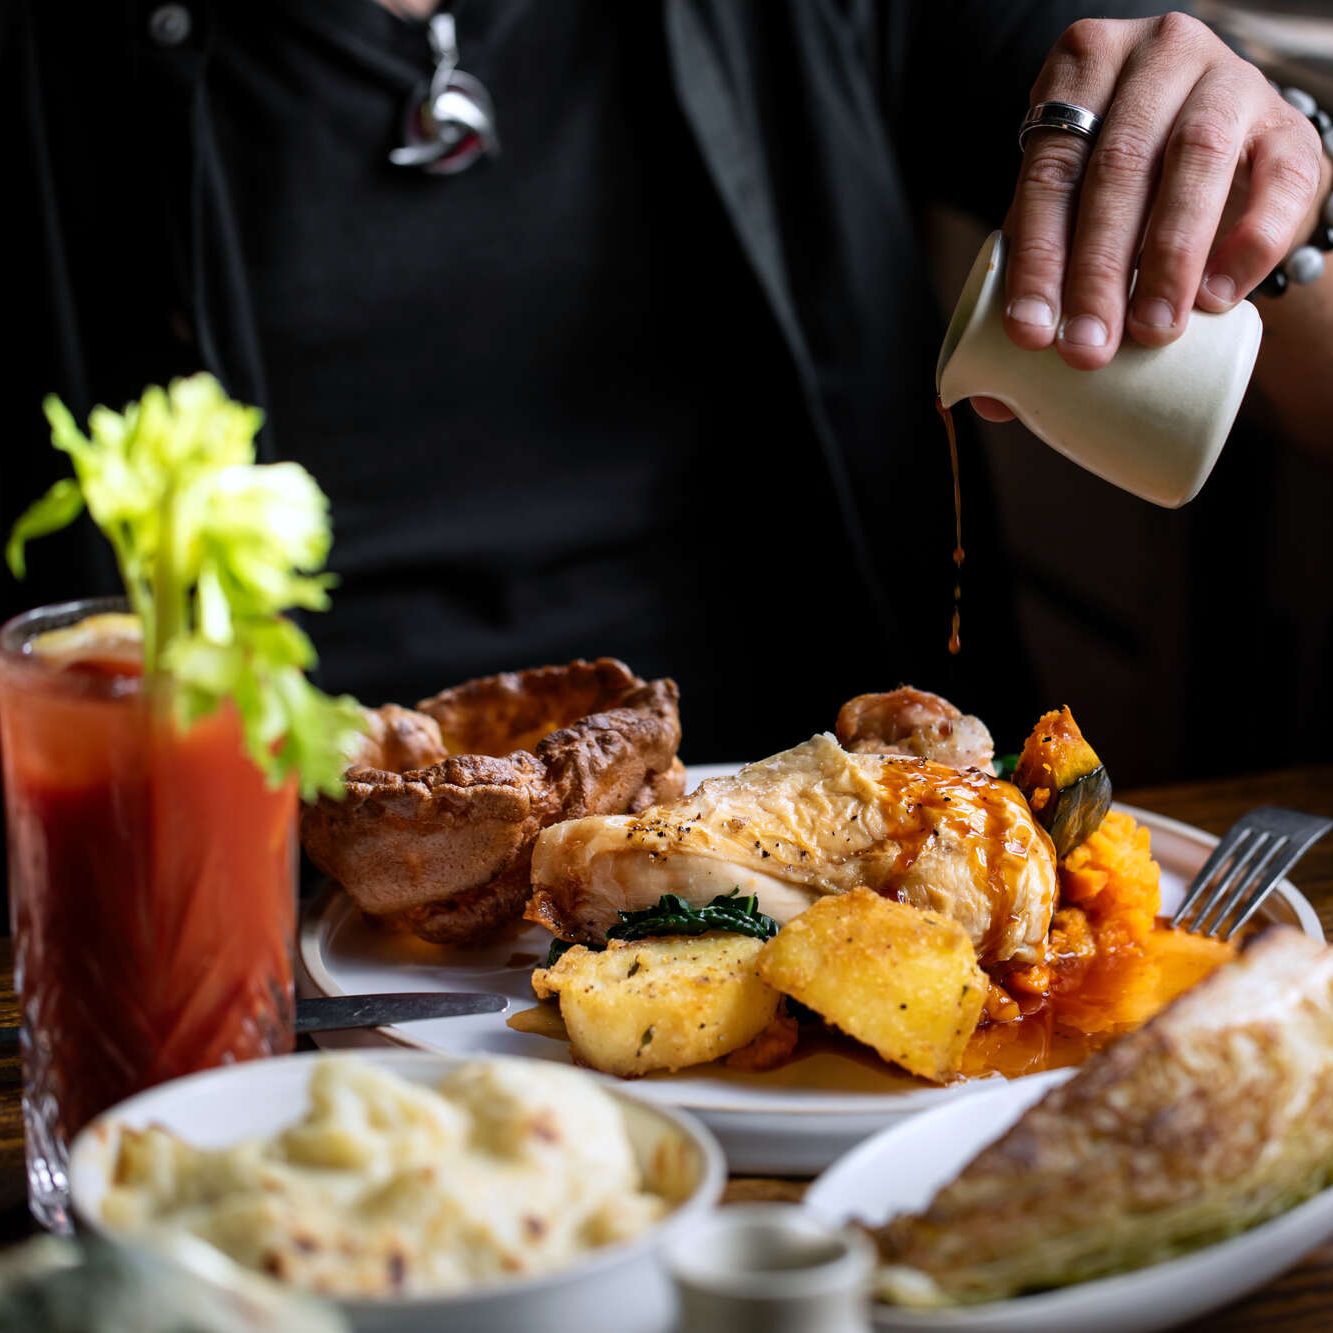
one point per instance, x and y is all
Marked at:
(1198, 171)
(1284, 180)
(1232, 114)
(1157, 83)
(1182, 114)
(1082, 68)
(991, 409)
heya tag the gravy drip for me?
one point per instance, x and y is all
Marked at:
(955, 643)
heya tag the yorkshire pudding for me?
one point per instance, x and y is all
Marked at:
(444, 802)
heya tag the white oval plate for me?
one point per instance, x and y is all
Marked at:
(598, 1293)
(789, 1121)
(900, 1169)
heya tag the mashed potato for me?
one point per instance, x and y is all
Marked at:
(386, 1187)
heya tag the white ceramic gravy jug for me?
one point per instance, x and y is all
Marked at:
(1152, 422)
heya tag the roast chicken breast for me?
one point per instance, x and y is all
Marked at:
(813, 820)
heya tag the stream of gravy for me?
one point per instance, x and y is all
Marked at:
(955, 643)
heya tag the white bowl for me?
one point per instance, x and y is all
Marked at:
(621, 1287)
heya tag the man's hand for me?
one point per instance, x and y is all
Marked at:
(1192, 135)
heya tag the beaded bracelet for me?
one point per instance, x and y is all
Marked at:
(1306, 264)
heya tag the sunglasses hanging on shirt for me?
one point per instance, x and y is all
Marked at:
(450, 121)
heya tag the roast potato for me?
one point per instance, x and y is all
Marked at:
(904, 981)
(662, 1003)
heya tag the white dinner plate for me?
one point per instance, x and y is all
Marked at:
(789, 1121)
(900, 1169)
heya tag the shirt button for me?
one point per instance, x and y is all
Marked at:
(169, 25)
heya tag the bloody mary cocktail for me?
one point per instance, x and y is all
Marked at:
(151, 882)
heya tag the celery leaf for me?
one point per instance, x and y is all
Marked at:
(214, 549)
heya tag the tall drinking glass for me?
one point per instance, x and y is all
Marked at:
(152, 887)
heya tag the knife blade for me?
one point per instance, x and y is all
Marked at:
(330, 1013)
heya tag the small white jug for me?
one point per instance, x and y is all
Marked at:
(770, 1268)
(1152, 422)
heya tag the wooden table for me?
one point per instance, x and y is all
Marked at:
(1301, 1300)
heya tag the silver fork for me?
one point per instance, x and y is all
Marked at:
(1245, 867)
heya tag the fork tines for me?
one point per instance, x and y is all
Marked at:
(1244, 868)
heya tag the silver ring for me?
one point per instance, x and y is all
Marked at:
(1068, 116)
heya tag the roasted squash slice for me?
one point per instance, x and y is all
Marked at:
(1065, 783)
